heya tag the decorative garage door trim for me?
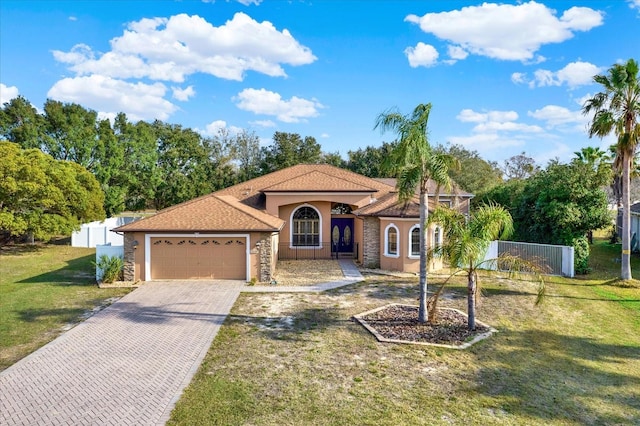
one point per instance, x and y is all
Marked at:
(147, 248)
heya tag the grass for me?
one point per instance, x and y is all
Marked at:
(298, 359)
(44, 290)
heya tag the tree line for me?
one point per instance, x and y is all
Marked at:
(153, 165)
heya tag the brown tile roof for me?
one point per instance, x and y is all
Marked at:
(390, 206)
(241, 207)
(250, 192)
(208, 213)
(318, 181)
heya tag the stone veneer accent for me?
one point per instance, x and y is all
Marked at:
(371, 243)
(264, 256)
(129, 257)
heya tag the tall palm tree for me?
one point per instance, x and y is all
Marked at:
(413, 162)
(617, 109)
(466, 242)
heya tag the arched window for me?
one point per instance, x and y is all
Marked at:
(414, 241)
(391, 241)
(305, 227)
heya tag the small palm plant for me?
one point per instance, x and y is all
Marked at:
(464, 247)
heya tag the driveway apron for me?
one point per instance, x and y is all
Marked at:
(126, 365)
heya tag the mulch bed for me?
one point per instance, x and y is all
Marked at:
(400, 322)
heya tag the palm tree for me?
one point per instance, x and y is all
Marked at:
(413, 162)
(617, 110)
(466, 242)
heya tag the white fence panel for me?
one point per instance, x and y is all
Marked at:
(110, 251)
(560, 259)
(96, 233)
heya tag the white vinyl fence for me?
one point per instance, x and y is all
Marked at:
(95, 233)
(110, 251)
(559, 259)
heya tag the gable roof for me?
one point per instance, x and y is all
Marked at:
(251, 192)
(389, 206)
(319, 181)
(242, 207)
(208, 213)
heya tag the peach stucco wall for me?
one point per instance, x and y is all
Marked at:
(276, 201)
(403, 262)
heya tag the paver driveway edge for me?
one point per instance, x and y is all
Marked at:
(126, 365)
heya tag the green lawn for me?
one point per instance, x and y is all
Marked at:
(44, 289)
(299, 359)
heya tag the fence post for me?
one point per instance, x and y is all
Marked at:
(568, 260)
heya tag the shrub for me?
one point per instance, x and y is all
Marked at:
(581, 255)
(112, 268)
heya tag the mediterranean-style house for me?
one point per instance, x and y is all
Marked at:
(307, 211)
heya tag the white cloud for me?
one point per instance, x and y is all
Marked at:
(325, 135)
(561, 118)
(263, 123)
(262, 101)
(139, 101)
(506, 31)
(518, 77)
(485, 118)
(457, 52)
(423, 55)
(634, 4)
(7, 93)
(215, 127)
(183, 94)
(170, 49)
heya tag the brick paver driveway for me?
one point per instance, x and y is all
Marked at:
(126, 365)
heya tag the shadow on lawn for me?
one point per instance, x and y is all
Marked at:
(558, 373)
(78, 271)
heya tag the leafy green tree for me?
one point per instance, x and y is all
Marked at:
(369, 161)
(245, 150)
(141, 174)
(616, 110)
(466, 241)
(520, 166)
(41, 197)
(289, 149)
(71, 132)
(414, 163)
(475, 175)
(21, 123)
(333, 158)
(109, 168)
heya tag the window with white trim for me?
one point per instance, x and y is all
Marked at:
(305, 227)
(437, 236)
(391, 241)
(414, 241)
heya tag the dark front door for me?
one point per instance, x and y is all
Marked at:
(342, 235)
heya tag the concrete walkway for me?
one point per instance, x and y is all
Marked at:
(128, 364)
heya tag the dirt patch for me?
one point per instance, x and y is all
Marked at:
(307, 272)
(399, 323)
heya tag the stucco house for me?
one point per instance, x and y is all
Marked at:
(304, 211)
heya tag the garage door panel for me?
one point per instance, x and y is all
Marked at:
(198, 258)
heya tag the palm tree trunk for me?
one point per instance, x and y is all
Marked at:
(625, 272)
(424, 214)
(471, 301)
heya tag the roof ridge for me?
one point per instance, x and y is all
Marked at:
(233, 205)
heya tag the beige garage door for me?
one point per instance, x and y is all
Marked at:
(198, 258)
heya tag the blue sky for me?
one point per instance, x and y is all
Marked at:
(503, 78)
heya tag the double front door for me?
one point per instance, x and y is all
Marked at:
(342, 235)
